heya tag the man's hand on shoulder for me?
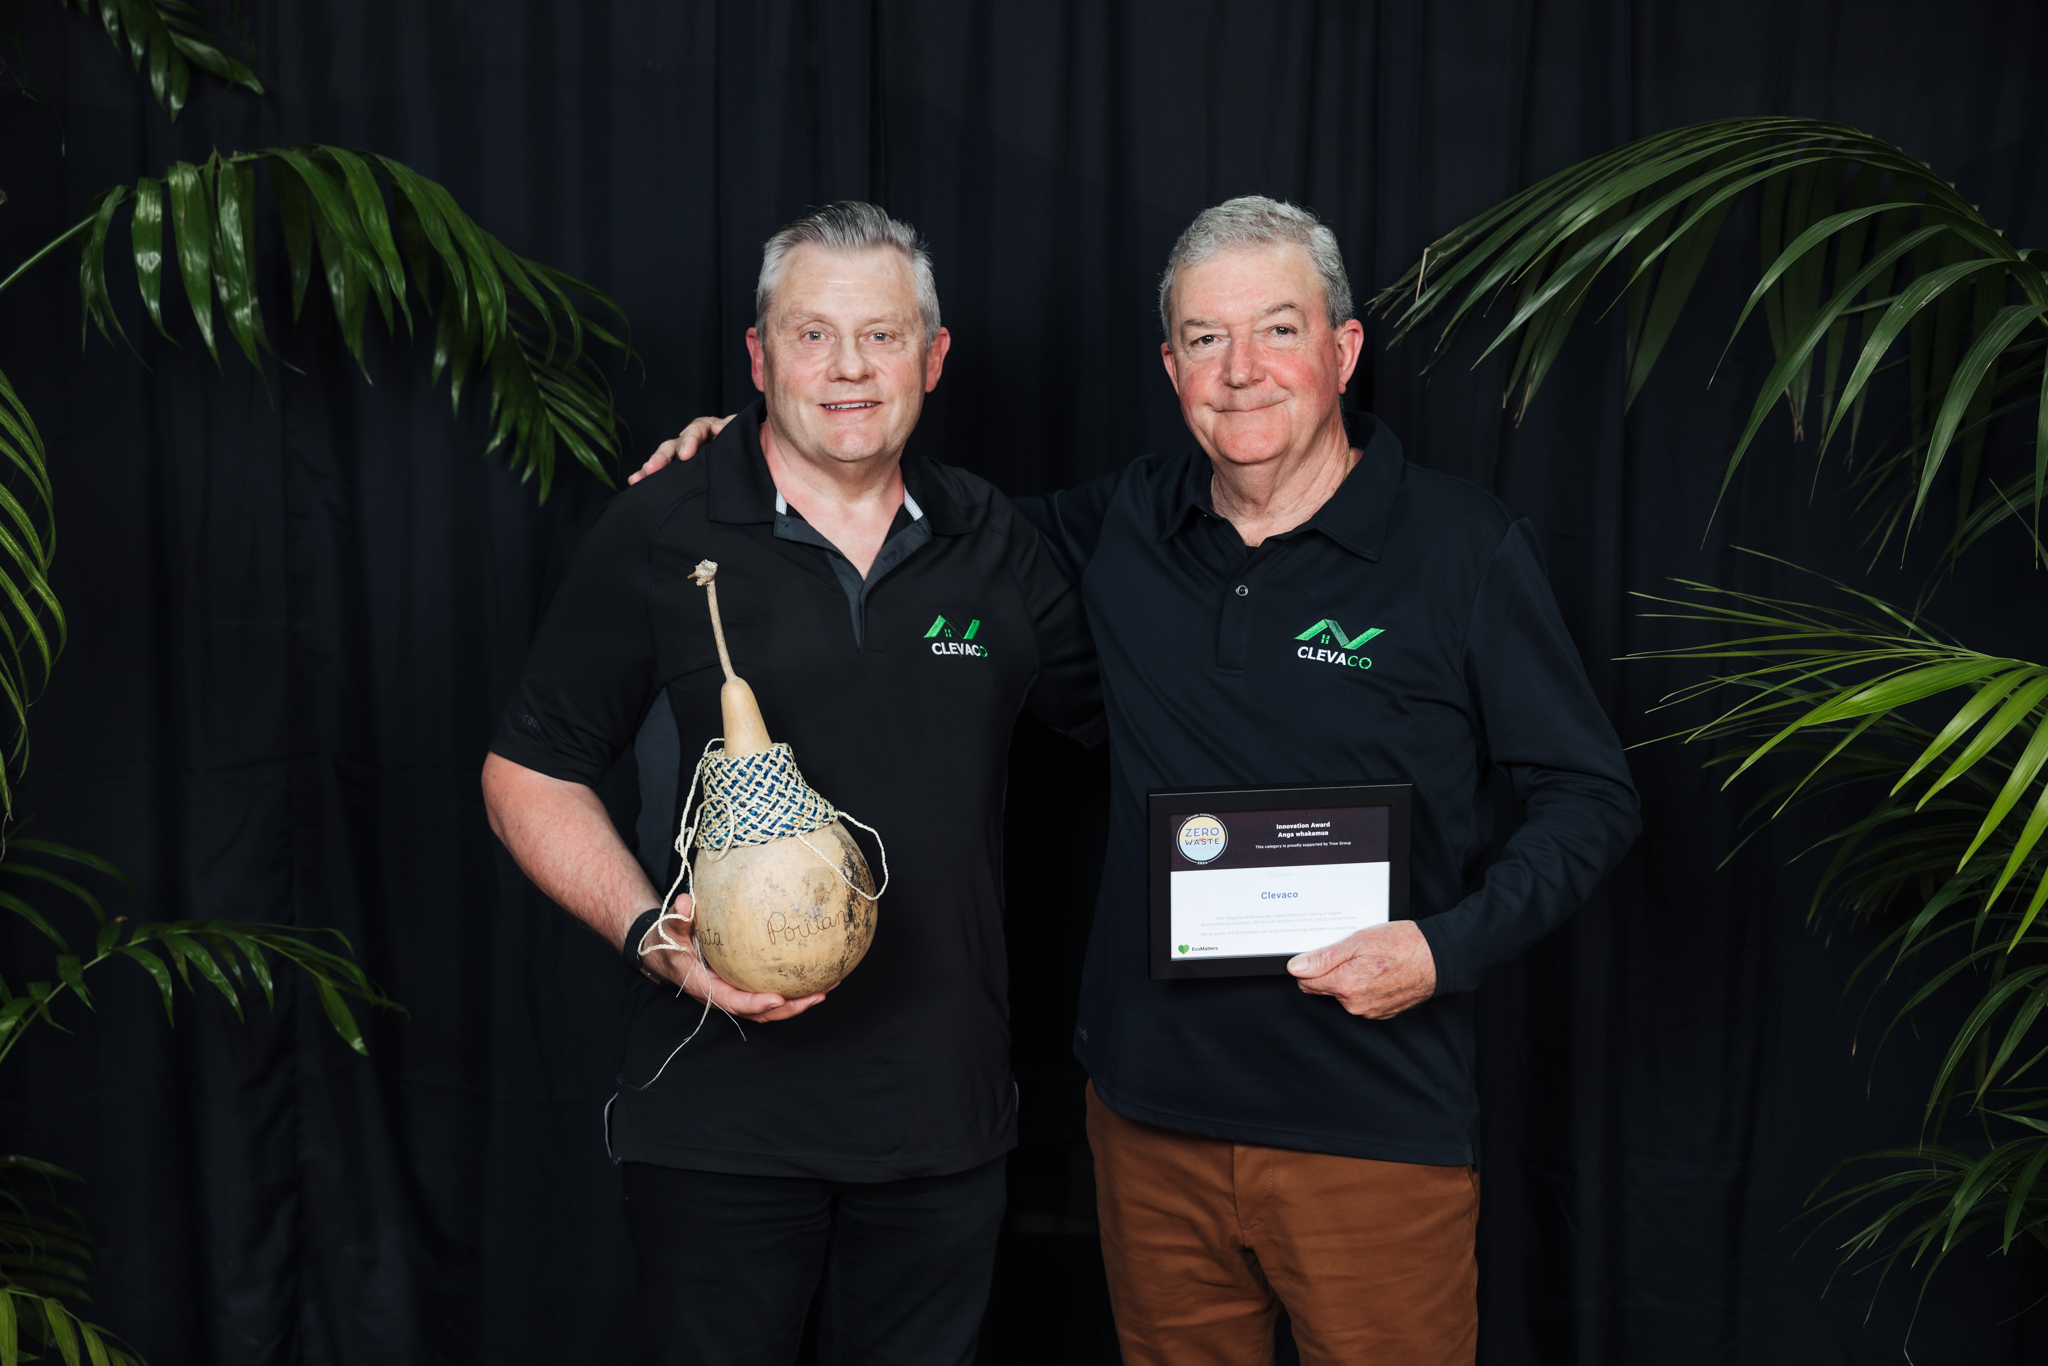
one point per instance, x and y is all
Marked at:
(1378, 972)
(681, 967)
(685, 445)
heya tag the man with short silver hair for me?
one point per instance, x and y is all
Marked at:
(849, 1147)
(1260, 1149)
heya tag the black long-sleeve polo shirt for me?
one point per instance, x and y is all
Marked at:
(898, 693)
(1405, 633)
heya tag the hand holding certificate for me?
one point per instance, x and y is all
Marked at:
(1245, 880)
(1377, 973)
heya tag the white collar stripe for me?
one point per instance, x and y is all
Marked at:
(909, 505)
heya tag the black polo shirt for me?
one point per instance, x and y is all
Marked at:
(900, 712)
(1223, 665)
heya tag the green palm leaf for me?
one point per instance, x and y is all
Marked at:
(44, 1255)
(1830, 675)
(44, 1250)
(31, 620)
(1936, 1196)
(1934, 749)
(1861, 244)
(44, 1320)
(227, 956)
(171, 37)
(380, 234)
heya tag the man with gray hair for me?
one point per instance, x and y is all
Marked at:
(1305, 1143)
(848, 1147)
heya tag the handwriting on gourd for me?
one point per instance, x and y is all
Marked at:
(785, 928)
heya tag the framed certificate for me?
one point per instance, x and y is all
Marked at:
(1243, 878)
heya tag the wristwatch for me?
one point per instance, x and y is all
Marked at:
(636, 936)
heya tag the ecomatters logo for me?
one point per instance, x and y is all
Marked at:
(943, 635)
(1332, 647)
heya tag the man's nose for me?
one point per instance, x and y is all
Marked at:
(847, 360)
(1240, 364)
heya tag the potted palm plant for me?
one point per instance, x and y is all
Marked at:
(1931, 758)
(378, 235)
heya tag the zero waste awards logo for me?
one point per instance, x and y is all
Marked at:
(1202, 839)
(1327, 633)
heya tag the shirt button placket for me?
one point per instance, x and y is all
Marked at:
(1233, 629)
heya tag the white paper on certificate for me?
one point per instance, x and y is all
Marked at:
(1245, 884)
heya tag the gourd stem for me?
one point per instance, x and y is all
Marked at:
(718, 630)
(705, 575)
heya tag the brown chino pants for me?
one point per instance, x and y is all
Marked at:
(1206, 1241)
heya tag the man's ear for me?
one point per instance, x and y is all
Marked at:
(1172, 371)
(1350, 346)
(935, 358)
(759, 356)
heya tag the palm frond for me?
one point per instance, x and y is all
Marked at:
(1940, 754)
(26, 1316)
(31, 619)
(1799, 670)
(44, 1255)
(1888, 480)
(172, 37)
(44, 1248)
(1861, 243)
(381, 235)
(1937, 1196)
(231, 957)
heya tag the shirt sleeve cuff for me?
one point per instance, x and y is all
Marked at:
(1455, 968)
(533, 754)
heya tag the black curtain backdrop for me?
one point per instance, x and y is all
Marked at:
(297, 606)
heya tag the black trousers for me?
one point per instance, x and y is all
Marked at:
(728, 1265)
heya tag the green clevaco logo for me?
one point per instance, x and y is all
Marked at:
(1331, 646)
(948, 639)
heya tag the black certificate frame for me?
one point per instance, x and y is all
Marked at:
(1162, 804)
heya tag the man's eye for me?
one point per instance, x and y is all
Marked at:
(878, 336)
(1203, 340)
(1283, 330)
(814, 336)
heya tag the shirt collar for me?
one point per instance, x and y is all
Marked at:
(741, 489)
(743, 492)
(1356, 515)
(909, 504)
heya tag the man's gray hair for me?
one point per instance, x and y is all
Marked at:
(850, 226)
(1256, 221)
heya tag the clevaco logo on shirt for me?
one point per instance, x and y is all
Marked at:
(949, 638)
(1329, 645)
